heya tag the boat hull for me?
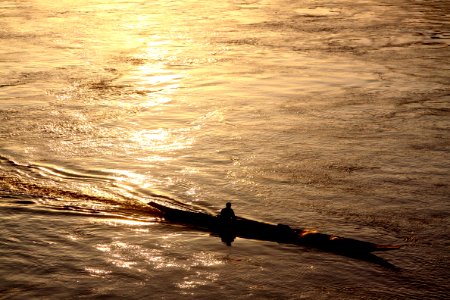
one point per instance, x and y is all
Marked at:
(251, 229)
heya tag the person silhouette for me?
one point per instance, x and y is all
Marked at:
(227, 220)
(227, 214)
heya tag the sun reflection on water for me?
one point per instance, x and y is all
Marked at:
(158, 78)
(152, 75)
(162, 255)
(157, 101)
(129, 176)
(95, 272)
(163, 139)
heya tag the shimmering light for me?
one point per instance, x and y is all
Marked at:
(156, 75)
(127, 222)
(198, 279)
(103, 248)
(154, 158)
(120, 254)
(153, 136)
(129, 176)
(123, 263)
(137, 257)
(163, 139)
(207, 259)
(157, 101)
(97, 272)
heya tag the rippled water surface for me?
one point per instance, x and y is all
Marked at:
(332, 115)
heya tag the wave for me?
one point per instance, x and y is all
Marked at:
(74, 190)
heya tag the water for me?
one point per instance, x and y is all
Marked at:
(326, 115)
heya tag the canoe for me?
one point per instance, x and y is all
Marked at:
(251, 229)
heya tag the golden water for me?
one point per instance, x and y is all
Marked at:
(327, 115)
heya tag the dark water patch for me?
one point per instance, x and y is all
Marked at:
(134, 61)
(7, 35)
(10, 84)
(440, 35)
(346, 168)
(24, 202)
(104, 85)
(24, 78)
(438, 146)
(107, 87)
(245, 41)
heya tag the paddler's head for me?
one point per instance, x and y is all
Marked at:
(228, 204)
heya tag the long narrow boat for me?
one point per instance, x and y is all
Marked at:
(250, 229)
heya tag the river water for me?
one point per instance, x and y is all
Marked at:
(330, 115)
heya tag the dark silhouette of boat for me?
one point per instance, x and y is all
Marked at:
(280, 233)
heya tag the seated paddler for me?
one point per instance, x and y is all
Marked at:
(227, 220)
(227, 215)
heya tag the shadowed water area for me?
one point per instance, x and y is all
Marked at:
(329, 115)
